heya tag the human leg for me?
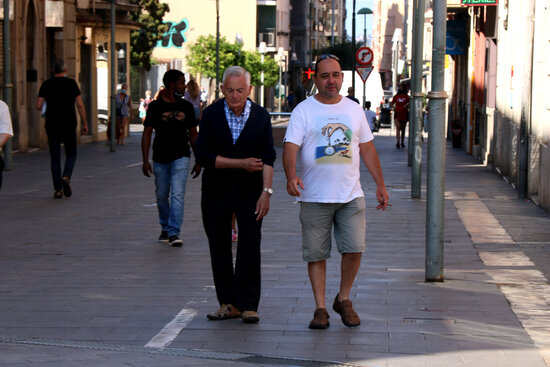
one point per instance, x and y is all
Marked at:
(69, 142)
(397, 133)
(124, 129)
(118, 128)
(316, 220)
(178, 171)
(217, 225)
(54, 143)
(349, 233)
(248, 260)
(162, 192)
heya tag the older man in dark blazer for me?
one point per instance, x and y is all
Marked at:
(235, 147)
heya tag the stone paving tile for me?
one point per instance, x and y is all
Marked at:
(110, 281)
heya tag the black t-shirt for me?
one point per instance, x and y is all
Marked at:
(171, 121)
(60, 94)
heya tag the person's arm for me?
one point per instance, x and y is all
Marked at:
(290, 156)
(130, 113)
(4, 138)
(372, 162)
(196, 171)
(145, 145)
(262, 206)
(82, 112)
(39, 103)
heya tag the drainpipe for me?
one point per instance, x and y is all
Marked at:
(8, 87)
(469, 85)
(113, 76)
(525, 122)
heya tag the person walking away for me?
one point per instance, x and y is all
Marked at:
(351, 95)
(144, 105)
(193, 95)
(235, 147)
(123, 113)
(400, 103)
(175, 126)
(6, 131)
(371, 117)
(332, 136)
(61, 93)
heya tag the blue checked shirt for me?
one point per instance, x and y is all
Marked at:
(236, 123)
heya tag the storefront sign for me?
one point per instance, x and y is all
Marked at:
(479, 2)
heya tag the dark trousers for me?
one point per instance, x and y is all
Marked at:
(55, 138)
(240, 286)
(1, 169)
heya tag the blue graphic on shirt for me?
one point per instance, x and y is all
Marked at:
(337, 150)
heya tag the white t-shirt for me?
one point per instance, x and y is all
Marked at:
(329, 136)
(371, 116)
(5, 119)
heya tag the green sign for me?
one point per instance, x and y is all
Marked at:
(479, 2)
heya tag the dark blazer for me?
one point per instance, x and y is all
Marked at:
(256, 140)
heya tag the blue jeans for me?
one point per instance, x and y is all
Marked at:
(170, 181)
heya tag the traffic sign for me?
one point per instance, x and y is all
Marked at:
(364, 56)
(364, 72)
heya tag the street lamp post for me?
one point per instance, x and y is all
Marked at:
(280, 55)
(364, 11)
(262, 50)
(217, 49)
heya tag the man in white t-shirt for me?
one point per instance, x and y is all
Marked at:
(6, 131)
(332, 135)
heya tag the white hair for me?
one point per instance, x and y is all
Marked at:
(236, 71)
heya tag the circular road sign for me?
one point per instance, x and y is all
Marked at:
(364, 56)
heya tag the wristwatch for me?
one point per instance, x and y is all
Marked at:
(269, 190)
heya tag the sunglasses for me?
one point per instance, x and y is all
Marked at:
(327, 56)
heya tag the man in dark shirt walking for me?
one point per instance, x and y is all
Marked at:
(60, 94)
(173, 120)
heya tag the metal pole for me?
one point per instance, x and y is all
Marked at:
(436, 149)
(217, 49)
(332, 25)
(262, 81)
(416, 122)
(113, 77)
(280, 83)
(365, 44)
(8, 87)
(353, 42)
(410, 139)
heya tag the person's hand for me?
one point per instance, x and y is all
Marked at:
(84, 129)
(252, 164)
(329, 129)
(293, 186)
(383, 198)
(146, 168)
(196, 171)
(262, 206)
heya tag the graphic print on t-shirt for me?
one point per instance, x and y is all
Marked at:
(173, 115)
(333, 142)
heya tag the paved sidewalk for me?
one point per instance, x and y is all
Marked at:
(83, 281)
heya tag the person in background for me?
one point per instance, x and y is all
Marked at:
(61, 94)
(400, 103)
(193, 95)
(6, 132)
(351, 95)
(144, 105)
(123, 113)
(159, 92)
(371, 116)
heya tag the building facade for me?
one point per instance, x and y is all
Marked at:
(76, 31)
